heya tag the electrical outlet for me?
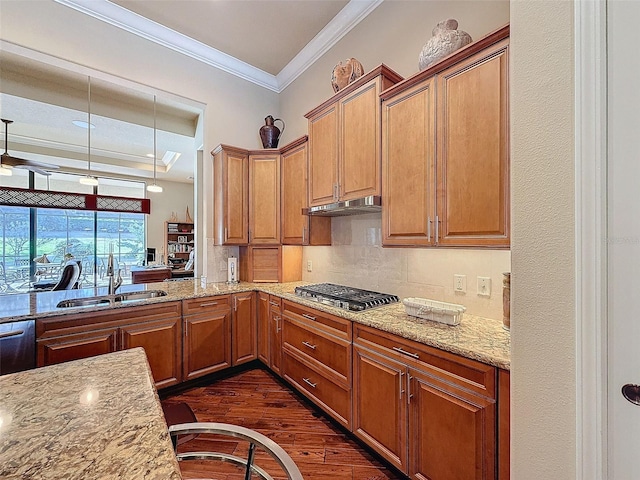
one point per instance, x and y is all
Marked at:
(460, 283)
(484, 286)
(309, 266)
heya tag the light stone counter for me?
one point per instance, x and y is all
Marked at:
(478, 338)
(98, 418)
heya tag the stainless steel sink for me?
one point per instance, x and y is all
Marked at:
(83, 302)
(140, 295)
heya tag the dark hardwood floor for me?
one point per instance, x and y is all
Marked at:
(257, 400)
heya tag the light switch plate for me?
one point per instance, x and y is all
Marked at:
(484, 286)
(309, 266)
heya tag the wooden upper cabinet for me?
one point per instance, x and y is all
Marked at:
(344, 140)
(445, 151)
(323, 156)
(299, 229)
(264, 198)
(408, 160)
(231, 195)
(359, 174)
(473, 150)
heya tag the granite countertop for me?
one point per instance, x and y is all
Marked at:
(478, 338)
(87, 421)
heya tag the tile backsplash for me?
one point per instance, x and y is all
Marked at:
(357, 259)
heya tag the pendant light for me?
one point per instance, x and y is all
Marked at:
(155, 188)
(4, 170)
(89, 179)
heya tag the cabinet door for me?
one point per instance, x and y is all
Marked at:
(452, 431)
(161, 342)
(263, 327)
(264, 199)
(473, 150)
(323, 156)
(359, 149)
(295, 226)
(231, 195)
(504, 418)
(243, 335)
(275, 341)
(380, 405)
(207, 343)
(408, 158)
(76, 346)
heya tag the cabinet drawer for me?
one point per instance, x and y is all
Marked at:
(459, 371)
(201, 305)
(331, 397)
(332, 353)
(275, 303)
(324, 321)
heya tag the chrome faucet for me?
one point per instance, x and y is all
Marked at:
(114, 283)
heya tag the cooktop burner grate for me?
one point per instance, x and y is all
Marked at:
(348, 298)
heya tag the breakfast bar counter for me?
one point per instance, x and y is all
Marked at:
(95, 418)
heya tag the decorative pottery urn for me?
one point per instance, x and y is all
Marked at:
(269, 133)
(446, 39)
(345, 73)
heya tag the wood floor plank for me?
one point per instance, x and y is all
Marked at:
(257, 400)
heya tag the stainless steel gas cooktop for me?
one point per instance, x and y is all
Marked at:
(348, 298)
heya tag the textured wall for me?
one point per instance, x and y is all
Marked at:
(356, 258)
(542, 249)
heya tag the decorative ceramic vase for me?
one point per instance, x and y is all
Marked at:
(446, 39)
(345, 73)
(269, 133)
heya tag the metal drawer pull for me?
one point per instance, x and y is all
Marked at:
(210, 304)
(308, 382)
(275, 304)
(15, 333)
(307, 344)
(414, 355)
(401, 389)
(309, 317)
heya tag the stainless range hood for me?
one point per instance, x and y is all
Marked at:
(371, 204)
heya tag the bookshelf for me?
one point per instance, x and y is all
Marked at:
(180, 239)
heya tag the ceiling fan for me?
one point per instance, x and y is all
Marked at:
(15, 162)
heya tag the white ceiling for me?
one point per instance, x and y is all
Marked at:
(268, 42)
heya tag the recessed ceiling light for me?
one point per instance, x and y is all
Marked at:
(150, 155)
(83, 124)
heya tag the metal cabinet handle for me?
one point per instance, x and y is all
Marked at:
(428, 228)
(437, 228)
(13, 333)
(275, 304)
(210, 304)
(631, 393)
(400, 382)
(304, 231)
(414, 355)
(309, 317)
(277, 319)
(308, 382)
(307, 344)
(335, 191)
(409, 394)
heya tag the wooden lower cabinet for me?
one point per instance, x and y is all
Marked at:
(75, 346)
(161, 342)
(504, 419)
(262, 318)
(275, 340)
(156, 328)
(316, 350)
(243, 333)
(452, 431)
(430, 413)
(207, 336)
(380, 405)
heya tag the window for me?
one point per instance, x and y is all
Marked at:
(37, 241)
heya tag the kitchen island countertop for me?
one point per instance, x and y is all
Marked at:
(94, 418)
(478, 338)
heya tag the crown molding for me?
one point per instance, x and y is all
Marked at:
(340, 25)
